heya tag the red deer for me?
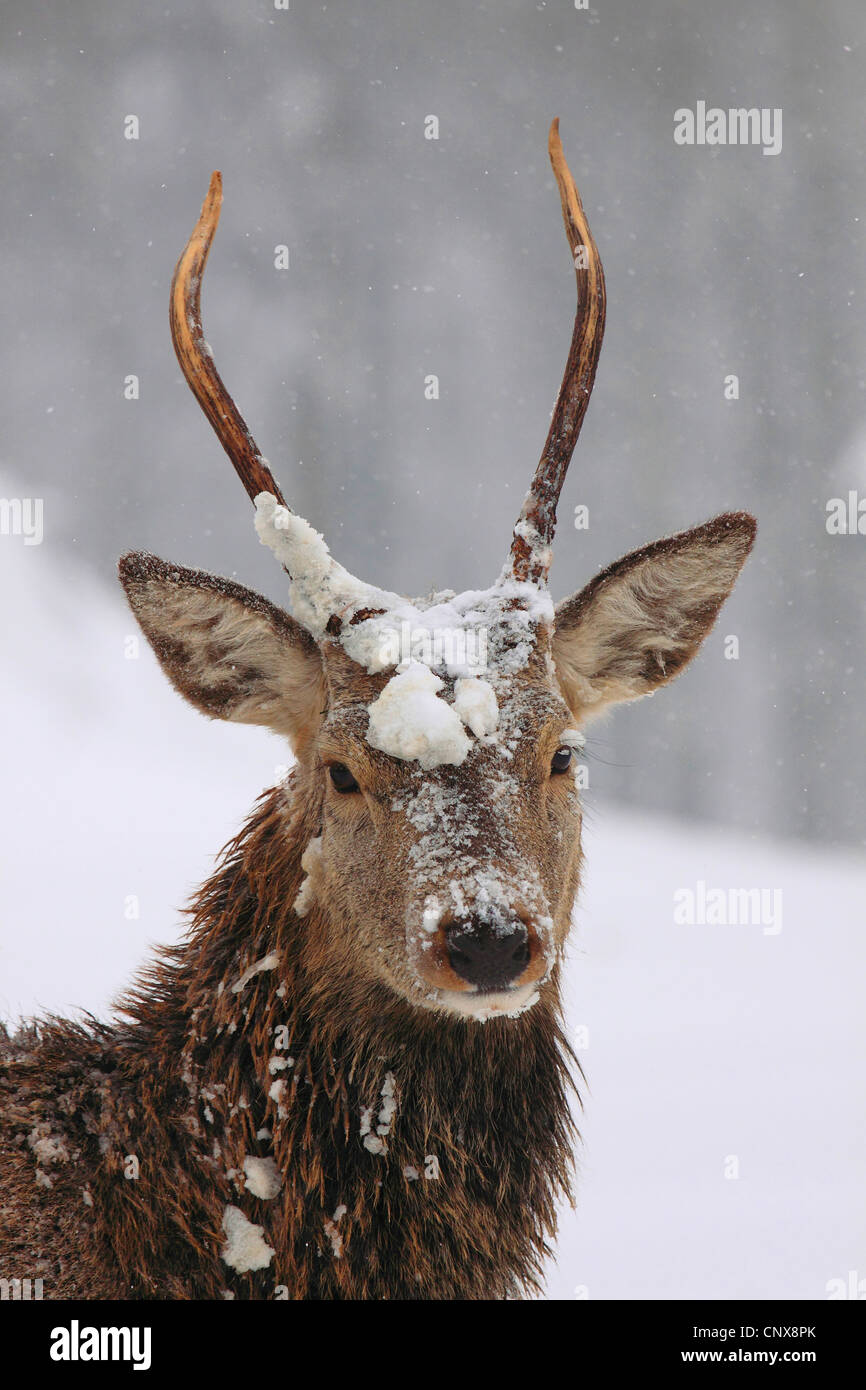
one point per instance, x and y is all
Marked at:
(352, 1079)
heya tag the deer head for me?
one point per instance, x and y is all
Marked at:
(436, 741)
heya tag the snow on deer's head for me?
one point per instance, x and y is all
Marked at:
(437, 741)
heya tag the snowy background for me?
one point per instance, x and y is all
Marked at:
(409, 257)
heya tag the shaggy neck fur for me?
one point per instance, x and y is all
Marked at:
(417, 1156)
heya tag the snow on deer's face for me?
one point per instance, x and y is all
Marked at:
(433, 784)
(448, 844)
(450, 837)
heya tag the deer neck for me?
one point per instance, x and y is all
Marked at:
(361, 1108)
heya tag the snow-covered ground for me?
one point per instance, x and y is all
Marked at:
(717, 1050)
(724, 1140)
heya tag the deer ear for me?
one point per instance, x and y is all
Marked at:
(639, 622)
(227, 650)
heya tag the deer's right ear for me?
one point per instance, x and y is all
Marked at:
(227, 650)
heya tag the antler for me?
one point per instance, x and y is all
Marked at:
(533, 534)
(322, 592)
(321, 585)
(196, 360)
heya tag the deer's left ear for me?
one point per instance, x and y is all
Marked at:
(639, 622)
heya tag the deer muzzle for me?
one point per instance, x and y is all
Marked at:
(484, 953)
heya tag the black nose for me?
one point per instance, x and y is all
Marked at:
(487, 957)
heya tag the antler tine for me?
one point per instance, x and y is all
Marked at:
(319, 586)
(533, 534)
(196, 360)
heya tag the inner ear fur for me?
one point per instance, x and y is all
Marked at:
(639, 622)
(228, 651)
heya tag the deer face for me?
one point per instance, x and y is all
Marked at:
(445, 855)
(457, 877)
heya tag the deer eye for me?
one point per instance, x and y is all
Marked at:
(561, 760)
(342, 778)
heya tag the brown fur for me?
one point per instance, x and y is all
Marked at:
(122, 1145)
(490, 1103)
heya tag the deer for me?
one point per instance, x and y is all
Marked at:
(352, 1078)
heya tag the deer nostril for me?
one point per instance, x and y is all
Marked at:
(487, 959)
(520, 955)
